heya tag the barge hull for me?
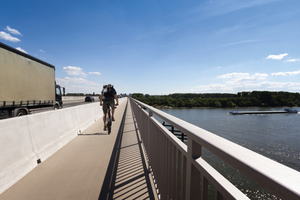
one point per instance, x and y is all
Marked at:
(261, 112)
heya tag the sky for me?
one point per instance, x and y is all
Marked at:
(160, 47)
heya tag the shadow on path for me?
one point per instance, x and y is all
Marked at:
(127, 176)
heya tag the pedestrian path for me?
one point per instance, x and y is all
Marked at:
(129, 177)
(93, 165)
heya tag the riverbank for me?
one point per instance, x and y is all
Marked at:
(169, 107)
(241, 99)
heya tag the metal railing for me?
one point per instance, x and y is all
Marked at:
(181, 173)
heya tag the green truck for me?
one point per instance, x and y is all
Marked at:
(26, 83)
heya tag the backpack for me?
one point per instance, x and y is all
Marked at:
(108, 90)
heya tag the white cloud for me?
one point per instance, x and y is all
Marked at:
(237, 82)
(97, 73)
(279, 86)
(8, 37)
(42, 51)
(20, 49)
(74, 71)
(292, 60)
(240, 81)
(277, 57)
(68, 80)
(79, 85)
(267, 85)
(211, 88)
(13, 31)
(253, 86)
(286, 73)
(234, 75)
(233, 78)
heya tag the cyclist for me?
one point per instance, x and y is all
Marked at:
(107, 99)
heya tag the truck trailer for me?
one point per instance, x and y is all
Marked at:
(26, 83)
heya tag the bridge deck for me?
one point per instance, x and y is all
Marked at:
(93, 165)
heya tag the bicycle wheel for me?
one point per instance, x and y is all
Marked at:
(108, 128)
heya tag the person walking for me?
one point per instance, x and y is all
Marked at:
(107, 99)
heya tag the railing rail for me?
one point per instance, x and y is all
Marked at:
(177, 166)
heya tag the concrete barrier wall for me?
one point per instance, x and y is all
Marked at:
(17, 155)
(67, 99)
(27, 139)
(70, 98)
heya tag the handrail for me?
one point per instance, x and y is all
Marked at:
(279, 179)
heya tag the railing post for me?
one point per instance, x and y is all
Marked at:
(192, 182)
(148, 135)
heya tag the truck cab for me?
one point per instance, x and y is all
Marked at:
(58, 97)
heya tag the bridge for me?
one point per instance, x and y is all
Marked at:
(141, 159)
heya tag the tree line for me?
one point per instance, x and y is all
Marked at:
(222, 100)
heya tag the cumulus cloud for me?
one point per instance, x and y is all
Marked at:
(268, 85)
(276, 86)
(292, 60)
(234, 82)
(237, 82)
(79, 85)
(250, 86)
(74, 71)
(234, 75)
(211, 88)
(13, 31)
(68, 80)
(277, 57)
(286, 73)
(242, 77)
(97, 73)
(8, 37)
(20, 49)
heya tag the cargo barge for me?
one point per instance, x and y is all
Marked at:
(285, 111)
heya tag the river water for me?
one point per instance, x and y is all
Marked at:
(276, 136)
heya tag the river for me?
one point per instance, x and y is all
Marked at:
(276, 136)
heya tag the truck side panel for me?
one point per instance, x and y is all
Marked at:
(25, 80)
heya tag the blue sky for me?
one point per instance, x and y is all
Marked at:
(160, 47)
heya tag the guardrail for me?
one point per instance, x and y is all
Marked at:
(180, 171)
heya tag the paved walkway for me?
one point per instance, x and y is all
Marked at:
(93, 165)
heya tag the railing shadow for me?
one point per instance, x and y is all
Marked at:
(92, 134)
(127, 175)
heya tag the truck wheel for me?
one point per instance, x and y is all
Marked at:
(21, 113)
(56, 107)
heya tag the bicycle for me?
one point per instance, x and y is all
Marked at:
(109, 120)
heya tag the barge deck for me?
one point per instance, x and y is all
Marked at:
(285, 111)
